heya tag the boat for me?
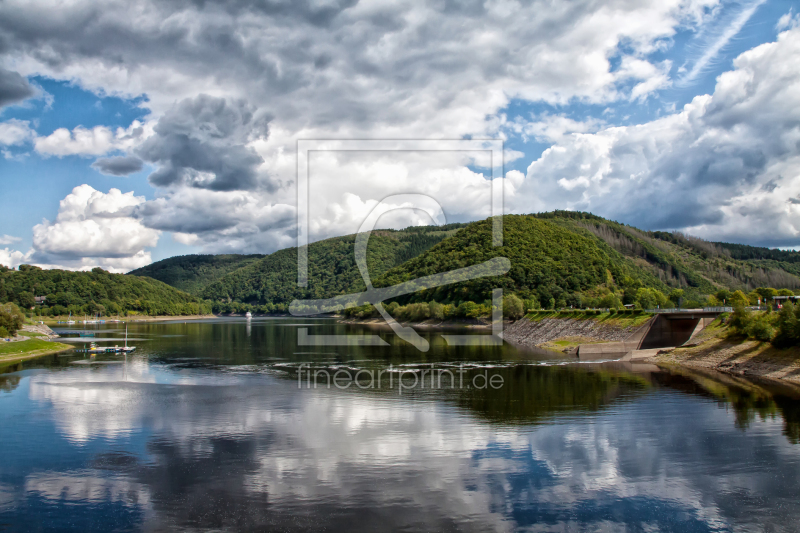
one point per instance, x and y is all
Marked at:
(69, 319)
(95, 349)
(127, 348)
(248, 314)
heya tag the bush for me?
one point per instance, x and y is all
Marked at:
(788, 326)
(753, 325)
(739, 319)
(513, 307)
(436, 310)
(760, 328)
(11, 318)
(4, 332)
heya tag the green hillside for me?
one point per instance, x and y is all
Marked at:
(94, 292)
(548, 261)
(271, 283)
(192, 273)
(558, 259)
(700, 267)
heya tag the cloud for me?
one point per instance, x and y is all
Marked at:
(655, 77)
(13, 258)
(80, 141)
(15, 132)
(232, 86)
(118, 166)
(13, 87)
(96, 141)
(723, 168)
(552, 128)
(788, 21)
(223, 221)
(720, 41)
(455, 461)
(94, 228)
(202, 142)
(8, 239)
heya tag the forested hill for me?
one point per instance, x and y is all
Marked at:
(557, 259)
(578, 259)
(271, 283)
(548, 262)
(693, 264)
(192, 273)
(93, 292)
(560, 258)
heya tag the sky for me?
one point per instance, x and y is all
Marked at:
(133, 131)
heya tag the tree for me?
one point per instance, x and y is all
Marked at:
(26, 300)
(766, 294)
(436, 310)
(788, 325)
(676, 295)
(610, 301)
(11, 318)
(739, 299)
(513, 307)
(646, 298)
(532, 304)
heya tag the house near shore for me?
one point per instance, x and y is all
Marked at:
(778, 301)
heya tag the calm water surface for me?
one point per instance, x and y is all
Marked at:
(205, 428)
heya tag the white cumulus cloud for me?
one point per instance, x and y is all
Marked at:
(15, 132)
(95, 228)
(726, 167)
(96, 141)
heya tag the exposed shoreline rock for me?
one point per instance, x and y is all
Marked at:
(532, 333)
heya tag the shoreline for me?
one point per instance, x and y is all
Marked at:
(39, 351)
(713, 350)
(735, 357)
(469, 323)
(122, 319)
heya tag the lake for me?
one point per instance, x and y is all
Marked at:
(218, 425)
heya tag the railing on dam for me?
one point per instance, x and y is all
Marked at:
(703, 310)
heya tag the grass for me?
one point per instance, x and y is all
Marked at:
(622, 320)
(12, 351)
(31, 334)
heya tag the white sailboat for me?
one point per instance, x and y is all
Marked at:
(69, 319)
(127, 348)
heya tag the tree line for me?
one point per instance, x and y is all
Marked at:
(91, 293)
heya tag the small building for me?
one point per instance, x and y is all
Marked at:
(778, 301)
(39, 300)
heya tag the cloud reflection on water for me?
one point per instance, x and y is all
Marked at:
(225, 450)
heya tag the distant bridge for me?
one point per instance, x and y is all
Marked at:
(667, 329)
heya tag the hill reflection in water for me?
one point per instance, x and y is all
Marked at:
(210, 431)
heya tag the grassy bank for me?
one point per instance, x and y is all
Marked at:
(621, 320)
(13, 352)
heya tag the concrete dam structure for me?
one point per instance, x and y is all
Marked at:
(665, 330)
